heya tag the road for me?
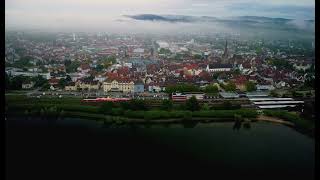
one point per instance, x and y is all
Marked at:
(35, 91)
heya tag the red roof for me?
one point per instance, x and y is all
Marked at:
(246, 65)
(123, 71)
(53, 81)
(85, 66)
(240, 80)
(191, 66)
(111, 75)
(120, 79)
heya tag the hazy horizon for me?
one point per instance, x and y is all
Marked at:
(99, 15)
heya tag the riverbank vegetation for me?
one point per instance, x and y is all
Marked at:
(300, 123)
(134, 109)
(140, 110)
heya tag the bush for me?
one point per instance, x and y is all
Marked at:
(134, 114)
(182, 107)
(205, 107)
(117, 111)
(187, 116)
(192, 104)
(166, 105)
(137, 104)
(124, 105)
(211, 89)
(226, 105)
(106, 108)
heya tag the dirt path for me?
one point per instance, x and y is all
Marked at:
(273, 119)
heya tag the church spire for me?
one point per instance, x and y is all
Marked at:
(225, 54)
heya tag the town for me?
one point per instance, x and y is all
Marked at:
(143, 66)
(223, 89)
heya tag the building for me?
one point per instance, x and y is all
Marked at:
(240, 82)
(265, 87)
(138, 87)
(276, 103)
(28, 85)
(53, 81)
(218, 67)
(118, 86)
(229, 95)
(225, 55)
(154, 87)
(100, 77)
(87, 84)
(71, 86)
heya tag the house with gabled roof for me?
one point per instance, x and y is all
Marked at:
(118, 85)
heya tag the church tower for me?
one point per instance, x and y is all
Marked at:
(225, 54)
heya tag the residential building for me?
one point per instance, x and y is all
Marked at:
(138, 87)
(118, 85)
(28, 85)
(71, 86)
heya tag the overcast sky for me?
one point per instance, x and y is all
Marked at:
(94, 13)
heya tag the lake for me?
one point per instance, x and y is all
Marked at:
(266, 150)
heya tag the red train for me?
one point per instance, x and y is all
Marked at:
(108, 99)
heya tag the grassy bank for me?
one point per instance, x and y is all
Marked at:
(125, 112)
(300, 123)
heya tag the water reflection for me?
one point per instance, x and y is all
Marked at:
(190, 124)
(237, 125)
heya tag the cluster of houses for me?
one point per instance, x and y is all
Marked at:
(137, 70)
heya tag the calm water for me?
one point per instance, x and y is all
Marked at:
(265, 148)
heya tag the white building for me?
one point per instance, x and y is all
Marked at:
(218, 67)
(163, 44)
(265, 87)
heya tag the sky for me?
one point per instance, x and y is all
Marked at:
(103, 13)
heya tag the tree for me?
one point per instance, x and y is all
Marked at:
(250, 86)
(166, 105)
(39, 81)
(230, 87)
(108, 61)
(68, 78)
(197, 56)
(211, 89)
(67, 62)
(23, 62)
(273, 93)
(164, 51)
(99, 68)
(7, 79)
(237, 72)
(62, 83)
(181, 88)
(281, 64)
(192, 104)
(205, 107)
(72, 67)
(178, 57)
(45, 86)
(16, 82)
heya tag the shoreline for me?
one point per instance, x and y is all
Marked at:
(124, 120)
